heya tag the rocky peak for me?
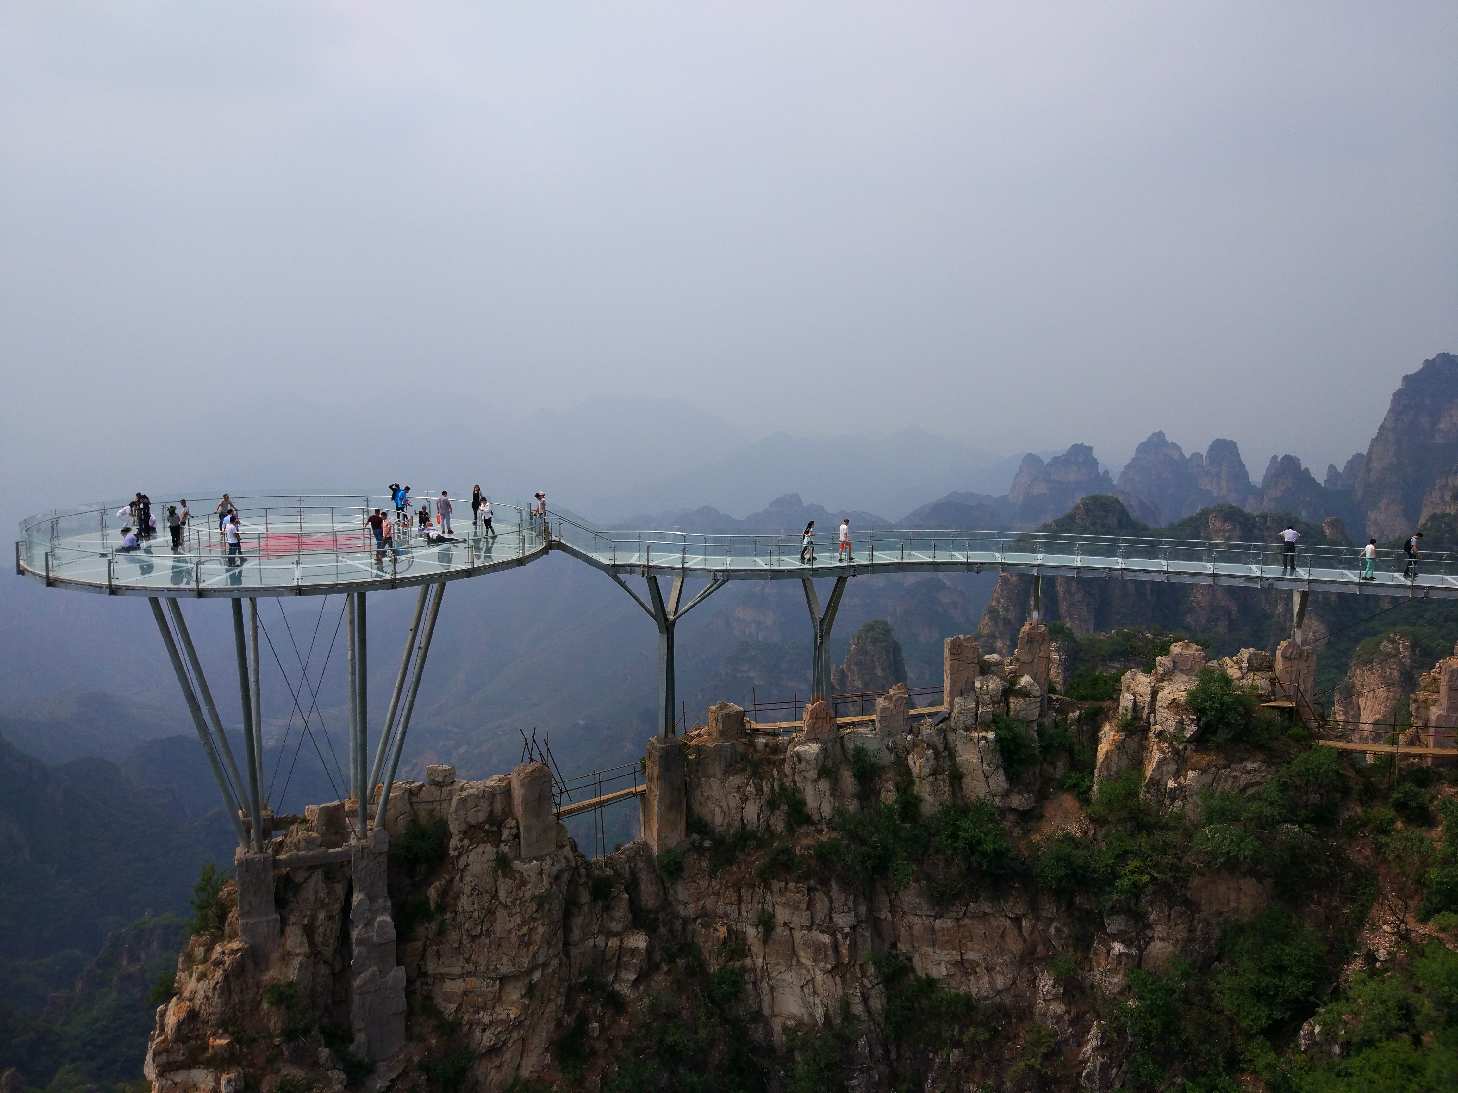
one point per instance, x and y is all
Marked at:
(874, 661)
(1042, 490)
(1222, 473)
(1416, 447)
(1290, 487)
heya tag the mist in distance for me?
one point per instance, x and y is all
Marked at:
(595, 250)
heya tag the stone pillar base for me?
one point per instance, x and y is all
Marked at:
(258, 924)
(665, 801)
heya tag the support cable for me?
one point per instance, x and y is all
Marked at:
(303, 731)
(313, 686)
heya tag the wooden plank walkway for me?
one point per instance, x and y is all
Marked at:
(576, 808)
(1391, 749)
(846, 719)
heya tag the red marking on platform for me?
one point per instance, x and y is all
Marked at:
(280, 544)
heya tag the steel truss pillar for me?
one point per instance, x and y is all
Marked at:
(665, 615)
(1298, 613)
(1037, 597)
(356, 646)
(820, 626)
(209, 745)
(247, 679)
(393, 735)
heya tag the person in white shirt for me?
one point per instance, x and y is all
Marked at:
(486, 513)
(233, 534)
(1288, 551)
(443, 512)
(844, 554)
(1369, 560)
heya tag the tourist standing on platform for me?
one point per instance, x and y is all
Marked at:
(476, 506)
(844, 554)
(233, 535)
(486, 515)
(1288, 551)
(148, 525)
(443, 512)
(375, 521)
(134, 510)
(1369, 560)
(184, 512)
(174, 528)
(538, 511)
(807, 544)
(387, 534)
(1410, 571)
(225, 507)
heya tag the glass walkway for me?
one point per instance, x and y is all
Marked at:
(301, 545)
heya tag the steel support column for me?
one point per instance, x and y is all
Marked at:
(666, 616)
(256, 678)
(350, 652)
(245, 695)
(398, 744)
(821, 625)
(1037, 597)
(206, 693)
(230, 801)
(362, 664)
(1298, 613)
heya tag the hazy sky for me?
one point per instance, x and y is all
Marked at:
(1019, 224)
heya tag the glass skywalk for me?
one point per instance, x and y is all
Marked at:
(317, 544)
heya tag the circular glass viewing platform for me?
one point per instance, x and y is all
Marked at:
(289, 545)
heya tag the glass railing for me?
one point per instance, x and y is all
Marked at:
(292, 541)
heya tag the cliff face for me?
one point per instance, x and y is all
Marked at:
(896, 903)
(1414, 453)
(1378, 686)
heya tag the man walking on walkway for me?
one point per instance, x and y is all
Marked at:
(844, 554)
(1288, 551)
(486, 514)
(1410, 571)
(443, 512)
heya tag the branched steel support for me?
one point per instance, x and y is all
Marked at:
(398, 745)
(821, 626)
(255, 667)
(245, 694)
(665, 615)
(362, 730)
(388, 729)
(206, 693)
(230, 802)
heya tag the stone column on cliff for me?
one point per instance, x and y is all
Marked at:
(891, 711)
(1034, 655)
(531, 804)
(665, 802)
(961, 659)
(258, 923)
(377, 982)
(726, 722)
(819, 722)
(1442, 715)
(1296, 675)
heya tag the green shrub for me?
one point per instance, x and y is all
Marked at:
(1228, 846)
(671, 863)
(791, 801)
(820, 1059)
(208, 910)
(422, 845)
(1088, 685)
(1313, 785)
(1412, 802)
(1226, 715)
(1066, 865)
(1271, 969)
(973, 837)
(1017, 746)
(571, 1050)
(765, 923)
(1120, 801)
(864, 769)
